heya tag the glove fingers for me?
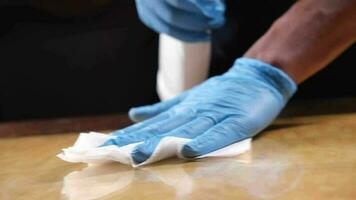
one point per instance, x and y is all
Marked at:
(182, 19)
(213, 11)
(153, 21)
(189, 130)
(158, 128)
(184, 5)
(143, 124)
(144, 112)
(223, 134)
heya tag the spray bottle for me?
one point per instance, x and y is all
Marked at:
(182, 65)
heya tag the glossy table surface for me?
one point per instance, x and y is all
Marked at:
(301, 157)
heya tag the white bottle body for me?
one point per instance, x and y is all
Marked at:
(182, 65)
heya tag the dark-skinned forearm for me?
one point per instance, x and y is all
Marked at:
(308, 37)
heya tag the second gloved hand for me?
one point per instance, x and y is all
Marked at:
(187, 20)
(221, 111)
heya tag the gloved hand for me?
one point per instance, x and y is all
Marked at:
(187, 20)
(221, 111)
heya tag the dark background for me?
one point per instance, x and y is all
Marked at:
(64, 58)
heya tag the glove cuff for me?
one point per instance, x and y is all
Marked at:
(266, 73)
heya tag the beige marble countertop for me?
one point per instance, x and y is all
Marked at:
(300, 157)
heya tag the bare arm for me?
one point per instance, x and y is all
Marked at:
(308, 37)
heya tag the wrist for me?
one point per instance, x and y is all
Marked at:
(265, 73)
(275, 61)
(268, 50)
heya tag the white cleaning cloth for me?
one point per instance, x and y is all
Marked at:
(87, 150)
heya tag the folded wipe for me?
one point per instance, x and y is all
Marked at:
(87, 149)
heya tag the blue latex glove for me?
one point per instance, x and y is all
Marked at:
(187, 20)
(221, 111)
